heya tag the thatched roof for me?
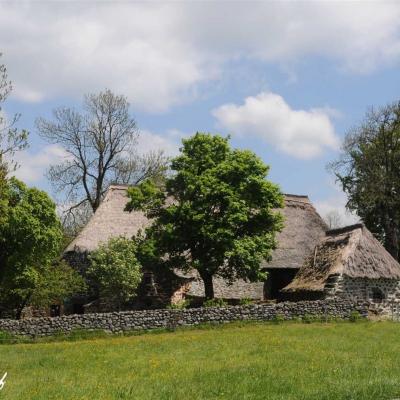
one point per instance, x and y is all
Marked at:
(352, 251)
(109, 220)
(303, 229)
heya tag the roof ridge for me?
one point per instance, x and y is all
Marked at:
(344, 229)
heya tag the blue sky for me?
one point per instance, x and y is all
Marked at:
(285, 79)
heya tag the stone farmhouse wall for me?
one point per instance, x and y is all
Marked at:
(382, 294)
(117, 322)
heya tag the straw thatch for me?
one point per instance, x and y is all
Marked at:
(110, 220)
(353, 252)
(303, 229)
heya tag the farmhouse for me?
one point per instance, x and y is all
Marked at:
(304, 228)
(348, 263)
(310, 261)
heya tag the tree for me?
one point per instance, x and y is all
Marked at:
(100, 146)
(115, 271)
(11, 139)
(333, 219)
(221, 220)
(369, 172)
(30, 238)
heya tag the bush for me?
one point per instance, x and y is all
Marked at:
(308, 318)
(115, 270)
(179, 306)
(355, 316)
(278, 318)
(6, 338)
(245, 301)
(215, 303)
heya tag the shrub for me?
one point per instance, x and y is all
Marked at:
(245, 301)
(115, 270)
(6, 338)
(308, 318)
(215, 303)
(355, 316)
(278, 318)
(179, 306)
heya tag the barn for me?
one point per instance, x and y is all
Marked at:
(303, 229)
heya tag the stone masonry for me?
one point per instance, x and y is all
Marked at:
(117, 322)
(382, 294)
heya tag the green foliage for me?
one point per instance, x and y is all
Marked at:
(278, 318)
(309, 318)
(3, 194)
(115, 270)
(57, 282)
(221, 220)
(355, 316)
(179, 306)
(369, 173)
(215, 303)
(30, 239)
(245, 301)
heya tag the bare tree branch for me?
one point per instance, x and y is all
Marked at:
(100, 144)
(11, 138)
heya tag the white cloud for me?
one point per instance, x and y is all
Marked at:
(150, 141)
(33, 165)
(300, 133)
(336, 204)
(159, 54)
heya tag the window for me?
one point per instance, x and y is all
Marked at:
(377, 295)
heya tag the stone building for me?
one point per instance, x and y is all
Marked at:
(350, 264)
(303, 229)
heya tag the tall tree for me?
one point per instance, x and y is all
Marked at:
(100, 146)
(30, 239)
(221, 220)
(369, 172)
(11, 138)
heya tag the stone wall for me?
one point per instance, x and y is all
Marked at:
(382, 294)
(151, 319)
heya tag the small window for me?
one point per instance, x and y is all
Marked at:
(377, 295)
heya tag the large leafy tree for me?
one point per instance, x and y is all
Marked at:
(369, 172)
(216, 214)
(101, 148)
(30, 238)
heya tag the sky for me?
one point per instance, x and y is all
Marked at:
(287, 80)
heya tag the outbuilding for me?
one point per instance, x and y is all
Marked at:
(349, 263)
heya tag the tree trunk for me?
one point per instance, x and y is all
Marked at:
(392, 242)
(208, 285)
(22, 306)
(391, 237)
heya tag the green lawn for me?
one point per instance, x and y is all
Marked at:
(251, 361)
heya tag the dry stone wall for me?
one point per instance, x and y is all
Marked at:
(382, 294)
(117, 322)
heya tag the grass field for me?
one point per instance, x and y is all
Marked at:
(248, 361)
